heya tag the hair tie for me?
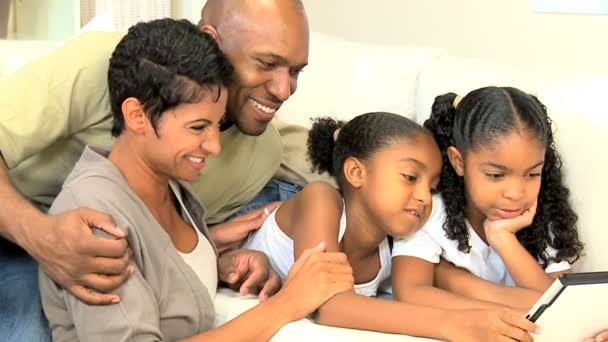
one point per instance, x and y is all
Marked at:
(457, 100)
(336, 133)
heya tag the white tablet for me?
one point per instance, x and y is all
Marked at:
(574, 307)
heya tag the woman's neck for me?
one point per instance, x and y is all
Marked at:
(149, 185)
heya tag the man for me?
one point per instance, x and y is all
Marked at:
(55, 106)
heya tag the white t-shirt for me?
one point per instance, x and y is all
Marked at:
(271, 240)
(202, 259)
(430, 243)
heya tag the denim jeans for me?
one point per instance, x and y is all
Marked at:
(273, 191)
(21, 316)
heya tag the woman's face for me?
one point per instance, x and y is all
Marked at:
(186, 135)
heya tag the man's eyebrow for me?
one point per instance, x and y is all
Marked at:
(280, 59)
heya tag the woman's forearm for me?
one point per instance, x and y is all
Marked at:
(259, 323)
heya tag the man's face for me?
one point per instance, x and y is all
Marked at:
(268, 51)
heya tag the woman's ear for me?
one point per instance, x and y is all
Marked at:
(354, 172)
(134, 116)
(212, 31)
(456, 160)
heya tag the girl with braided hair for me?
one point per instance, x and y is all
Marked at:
(502, 212)
(386, 167)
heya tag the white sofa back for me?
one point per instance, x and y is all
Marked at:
(344, 79)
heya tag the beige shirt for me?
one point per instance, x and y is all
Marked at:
(295, 164)
(56, 105)
(163, 300)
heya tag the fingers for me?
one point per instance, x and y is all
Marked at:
(272, 286)
(518, 327)
(92, 297)
(304, 257)
(256, 276)
(533, 208)
(603, 336)
(273, 205)
(103, 247)
(103, 283)
(253, 214)
(102, 221)
(110, 266)
(320, 247)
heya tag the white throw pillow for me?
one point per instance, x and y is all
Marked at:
(344, 79)
(580, 121)
(462, 75)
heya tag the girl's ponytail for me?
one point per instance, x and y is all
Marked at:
(441, 121)
(321, 144)
(451, 186)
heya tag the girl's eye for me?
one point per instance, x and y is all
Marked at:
(534, 175)
(409, 178)
(198, 128)
(494, 175)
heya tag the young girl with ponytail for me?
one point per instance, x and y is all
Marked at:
(386, 167)
(502, 212)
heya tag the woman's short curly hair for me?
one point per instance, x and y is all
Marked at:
(164, 63)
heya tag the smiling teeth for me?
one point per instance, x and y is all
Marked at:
(195, 159)
(263, 108)
(413, 212)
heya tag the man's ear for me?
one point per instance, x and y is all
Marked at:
(354, 172)
(134, 116)
(456, 160)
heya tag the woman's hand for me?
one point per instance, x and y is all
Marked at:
(315, 277)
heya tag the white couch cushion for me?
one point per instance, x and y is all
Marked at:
(344, 79)
(229, 304)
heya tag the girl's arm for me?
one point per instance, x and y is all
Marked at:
(349, 310)
(413, 282)
(522, 266)
(462, 282)
(524, 269)
(313, 215)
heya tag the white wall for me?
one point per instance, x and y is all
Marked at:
(187, 9)
(47, 19)
(506, 31)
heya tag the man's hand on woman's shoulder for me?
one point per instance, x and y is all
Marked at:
(86, 265)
